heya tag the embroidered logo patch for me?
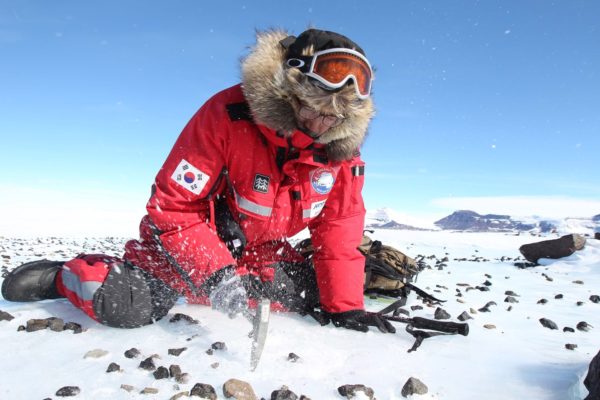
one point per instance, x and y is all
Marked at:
(190, 177)
(322, 180)
(261, 183)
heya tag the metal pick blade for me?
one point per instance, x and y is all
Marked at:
(259, 331)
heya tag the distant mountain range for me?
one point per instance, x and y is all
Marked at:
(466, 220)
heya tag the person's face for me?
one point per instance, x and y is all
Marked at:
(315, 123)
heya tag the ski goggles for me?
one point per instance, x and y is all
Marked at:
(334, 67)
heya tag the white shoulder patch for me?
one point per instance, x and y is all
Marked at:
(190, 177)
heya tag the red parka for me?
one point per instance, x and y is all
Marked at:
(274, 186)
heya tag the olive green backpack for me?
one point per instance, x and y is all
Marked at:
(388, 271)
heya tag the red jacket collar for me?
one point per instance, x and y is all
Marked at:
(298, 139)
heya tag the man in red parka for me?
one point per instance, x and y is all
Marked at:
(257, 164)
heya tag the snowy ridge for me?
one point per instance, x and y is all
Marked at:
(471, 221)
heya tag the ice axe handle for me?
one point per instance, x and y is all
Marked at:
(440, 326)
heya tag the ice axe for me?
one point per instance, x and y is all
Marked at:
(260, 328)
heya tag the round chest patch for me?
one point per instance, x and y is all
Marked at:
(322, 180)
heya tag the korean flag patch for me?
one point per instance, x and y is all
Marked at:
(190, 177)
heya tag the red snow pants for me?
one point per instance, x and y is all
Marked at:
(114, 292)
(145, 285)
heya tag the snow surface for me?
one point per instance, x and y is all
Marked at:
(519, 359)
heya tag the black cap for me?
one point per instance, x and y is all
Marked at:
(320, 40)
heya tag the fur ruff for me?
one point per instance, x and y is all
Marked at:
(273, 93)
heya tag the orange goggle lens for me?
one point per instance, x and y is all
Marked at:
(335, 68)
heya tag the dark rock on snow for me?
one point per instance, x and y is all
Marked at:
(204, 391)
(592, 380)
(56, 324)
(464, 316)
(112, 367)
(584, 326)
(570, 346)
(183, 317)
(161, 373)
(350, 391)
(174, 370)
(177, 352)
(546, 323)
(547, 277)
(132, 353)
(73, 326)
(554, 248)
(486, 308)
(440, 313)
(523, 265)
(568, 329)
(218, 346)
(148, 364)
(283, 394)
(293, 357)
(595, 298)
(510, 299)
(68, 391)
(4, 316)
(413, 386)
(36, 325)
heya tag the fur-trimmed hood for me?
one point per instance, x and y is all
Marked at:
(272, 90)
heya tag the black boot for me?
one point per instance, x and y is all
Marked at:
(32, 281)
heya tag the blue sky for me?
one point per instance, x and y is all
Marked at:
(475, 100)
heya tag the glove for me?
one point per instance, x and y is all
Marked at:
(228, 295)
(360, 320)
